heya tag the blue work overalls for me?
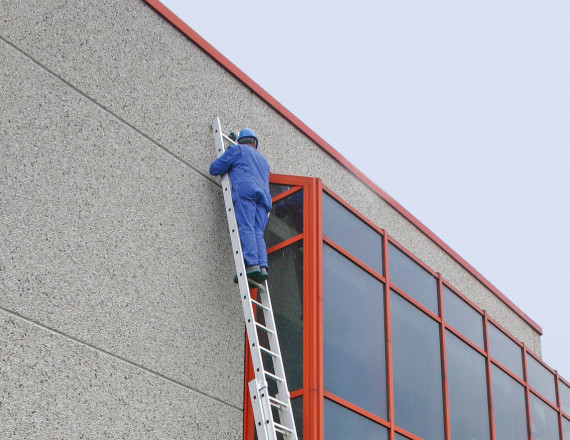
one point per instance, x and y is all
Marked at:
(249, 173)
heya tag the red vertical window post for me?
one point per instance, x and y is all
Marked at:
(388, 331)
(444, 383)
(527, 394)
(489, 384)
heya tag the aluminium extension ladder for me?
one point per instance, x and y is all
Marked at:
(269, 394)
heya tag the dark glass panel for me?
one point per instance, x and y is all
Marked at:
(286, 219)
(344, 424)
(463, 317)
(505, 350)
(412, 278)
(353, 315)
(286, 279)
(566, 426)
(297, 405)
(417, 370)
(564, 397)
(467, 384)
(352, 234)
(509, 407)
(544, 420)
(541, 379)
(276, 189)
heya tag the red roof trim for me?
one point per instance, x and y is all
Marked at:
(230, 67)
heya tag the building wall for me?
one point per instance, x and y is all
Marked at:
(118, 314)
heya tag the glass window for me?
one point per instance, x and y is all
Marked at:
(467, 384)
(297, 406)
(544, 420)
(505, 350)
(462, 317)
(343, 424)
(287, 300)
(509, 407)
(276, 189)
(417, 370)
(286, 219)
(566, 425)
(353, 314)
(565, 397)
(401, 437)
(412, 278)
(352, 234)
(540, 379)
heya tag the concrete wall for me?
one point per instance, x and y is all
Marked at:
(117, 311)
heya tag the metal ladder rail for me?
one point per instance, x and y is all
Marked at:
(262, 401)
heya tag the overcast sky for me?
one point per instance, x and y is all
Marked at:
(460, 110)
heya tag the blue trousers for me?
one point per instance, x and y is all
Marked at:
(252, 220)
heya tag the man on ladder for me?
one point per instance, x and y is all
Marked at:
(249, 174)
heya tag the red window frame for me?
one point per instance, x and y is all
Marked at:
(313, 392)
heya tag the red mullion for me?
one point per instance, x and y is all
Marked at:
(356, 409)
(544, 399)
(388, 332)
(248, 418)
(296, 393)
(489, 379)
(353, 211)
(475, 347)
(527, 393)
(559, 403)
(284, 179)
(286, 194)
(413, 257)
(464, 298)
(444, 382)
(285, 243)
(352, 258)
(507, 371)
(415, 303)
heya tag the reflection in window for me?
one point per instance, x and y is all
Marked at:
(343, 424)
(276, 189)
(467, 382)
(544, 420)
(412, 278)
(287, 300)
(505, 350)
(351, 233)
(540, 379)
(417, 370)
(286, 219)
(508, 406)
(463, 317)
(566, 426)
(353, 333)
(564, 397)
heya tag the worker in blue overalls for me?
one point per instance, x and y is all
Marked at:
(249, 173)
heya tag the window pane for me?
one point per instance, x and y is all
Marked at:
(276, 189)
(401, 437)
(509, 407)
(417, 370)
(544, 420)
(467, 383)
(352, 234)
(566, 424)
(540, 379)
(286, 219)
(463, 317)
(343, 424)
(286, 272)
(353, 314)
(297, 406)
(565, 397)
(412, 279)
(505, 350)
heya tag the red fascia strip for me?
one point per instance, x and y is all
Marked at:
(258, 90)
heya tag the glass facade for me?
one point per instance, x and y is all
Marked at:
(377, 346)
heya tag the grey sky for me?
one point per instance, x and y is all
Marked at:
(460, 110)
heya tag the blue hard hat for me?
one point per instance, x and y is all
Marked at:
(246, 133)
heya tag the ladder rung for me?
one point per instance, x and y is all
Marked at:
(282, 429)
(277, 403)
(272, 376)
(258, 304)
(269, 352)
(265, 329)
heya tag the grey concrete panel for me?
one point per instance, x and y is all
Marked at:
(111, 240)
(56, 388)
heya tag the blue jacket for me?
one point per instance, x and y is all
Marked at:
(249, 173)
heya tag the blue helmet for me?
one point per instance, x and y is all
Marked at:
(247, 134)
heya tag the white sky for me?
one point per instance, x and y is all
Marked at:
(460, 110)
